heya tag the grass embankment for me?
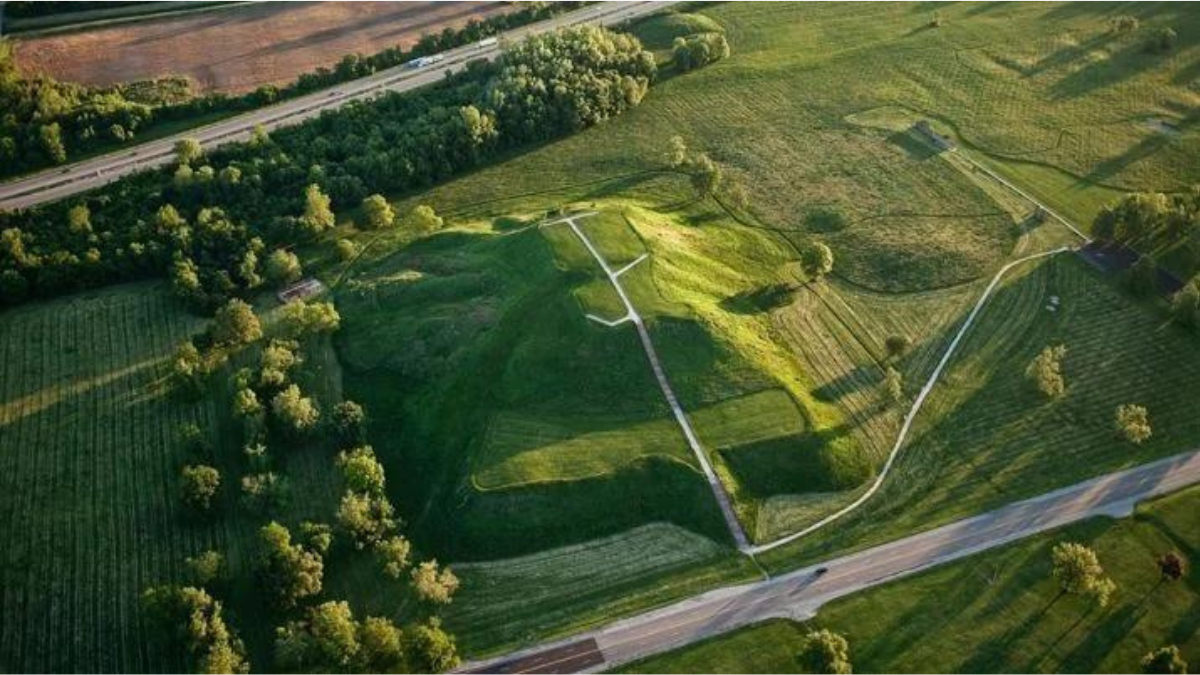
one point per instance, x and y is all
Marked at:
(999, 611)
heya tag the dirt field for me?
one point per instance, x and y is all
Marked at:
(240, 48)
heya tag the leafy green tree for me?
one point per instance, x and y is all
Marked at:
(1077, 570)
(1163, 41)
(245, 403)
(193, 619)
(187, 151)
(394, 553)
(1166, 660)
(199, 486)
(187, 368)
(1185, 306)
(677, 152)
(824, 651)
(377, 213)
(276, 361)
(346, 249)
(1142, 278)
(266, 491)
(350, 423)
(896, 345)
(50, 136)
(1133, 423)
(361, 472)
(318, 216)
(289, 571)
(893, 385)
(1046, 371)
(432, 584)
(283, 267)
(706, 176)
(816, 260)
(236, 324)
(79, 219)
(423, 220)
(298, 318)
(430, 649)
(206, 569)
(367, 518)
(325, 641)
(296, 412)
(381, 646)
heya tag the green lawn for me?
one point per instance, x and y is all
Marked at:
(999, 611)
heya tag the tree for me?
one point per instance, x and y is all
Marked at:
(361, 472)
(296, 412)
(245, 403)
(50, 136)
(236, 324)
(893, 385)
(199, 486)
(318, 216)
(394, 552)
(1167, 660)
(380, 646)
(824, 651)
(187, 150)
(205, 569)
(1046, 371)
(265, 491)
(289, 571)
(366, 518)
(1142, 278)
(1163, 40)
(816, 260)
(1185, 306)
(79, 219)
(192, 618)
(706, 176)
(325, 641)
(298, 318)
(430, 649)
(677, 152)
(346, 249)
(1133, 423)
(377, 213)
(434, 585)
(1078, 572)
(350, 423)
(1172, 566)
(187, 368)
(283, 267)
(896, 345)
(276, 360)
(422, 220)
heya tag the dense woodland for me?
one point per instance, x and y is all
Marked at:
(214, 220)
(46, 122)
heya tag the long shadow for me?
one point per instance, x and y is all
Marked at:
(1125, 64)
(984, 658)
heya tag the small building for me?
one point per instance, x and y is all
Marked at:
(926, 129)
(301, 290)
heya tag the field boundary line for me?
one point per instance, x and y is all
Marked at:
(916, 406)
(714, 483)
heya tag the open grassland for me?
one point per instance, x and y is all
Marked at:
(986, 437)
(999, 611)
(1048, 89)
(89, 458)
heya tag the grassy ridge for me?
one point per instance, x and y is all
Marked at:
(998, 611)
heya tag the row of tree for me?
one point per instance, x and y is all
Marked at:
(214, 219)
(47, 122)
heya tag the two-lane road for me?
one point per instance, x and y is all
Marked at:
(64, 181)
(798, 594)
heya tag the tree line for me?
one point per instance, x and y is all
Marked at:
(47, 122)
(213, 221)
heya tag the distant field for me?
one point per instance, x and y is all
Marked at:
(255, 43)
(998, 611)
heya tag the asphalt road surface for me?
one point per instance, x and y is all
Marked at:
(798, 594)
(67, 180)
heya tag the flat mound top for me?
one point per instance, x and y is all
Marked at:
(238, 49)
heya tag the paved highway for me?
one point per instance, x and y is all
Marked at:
(63, 181)
(799, 594)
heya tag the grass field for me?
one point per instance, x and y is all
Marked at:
(1119, 351)
(999, 611)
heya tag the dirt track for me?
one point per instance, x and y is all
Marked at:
(240, 48)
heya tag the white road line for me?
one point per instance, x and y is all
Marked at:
(714, 483)
(630, 266)
(610, 324)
